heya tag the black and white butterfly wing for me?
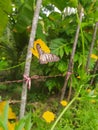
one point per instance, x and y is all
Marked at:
(44, 58)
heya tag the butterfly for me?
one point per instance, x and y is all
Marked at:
(44, 58)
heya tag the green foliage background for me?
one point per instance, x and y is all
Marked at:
(57, 27)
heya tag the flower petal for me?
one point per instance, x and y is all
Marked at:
(43, 45)
(93, 56)
(48, 116)
(64, 103)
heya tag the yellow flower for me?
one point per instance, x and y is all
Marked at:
(64, 103)
(93, 101)
(43, 45)
(11, 126)
(11, 114)
(89, 90)
(78, 77)
(93, 56)
(48, 116)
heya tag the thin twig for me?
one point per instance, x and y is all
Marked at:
(92, 45)
(70, 90)
(71, 63)
(32, 77)
(94, 72)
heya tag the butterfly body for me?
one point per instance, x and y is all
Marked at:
(44, 58)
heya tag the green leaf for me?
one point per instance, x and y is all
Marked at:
(25, 15)
(73, 3)
(25, 122)
(67, 50)
(55, 16)
(2, 125)
(5, 9)
(62, 66)
(50, 84)
(60, 4)
(4, 119)
(5, 5)
(61, 52)
(57, 46)
(20, 124)
(39, 32)
(3, 64)
(28, 123)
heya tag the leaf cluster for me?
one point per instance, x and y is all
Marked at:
(57, 27)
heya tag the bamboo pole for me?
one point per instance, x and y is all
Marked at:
(29, 57)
